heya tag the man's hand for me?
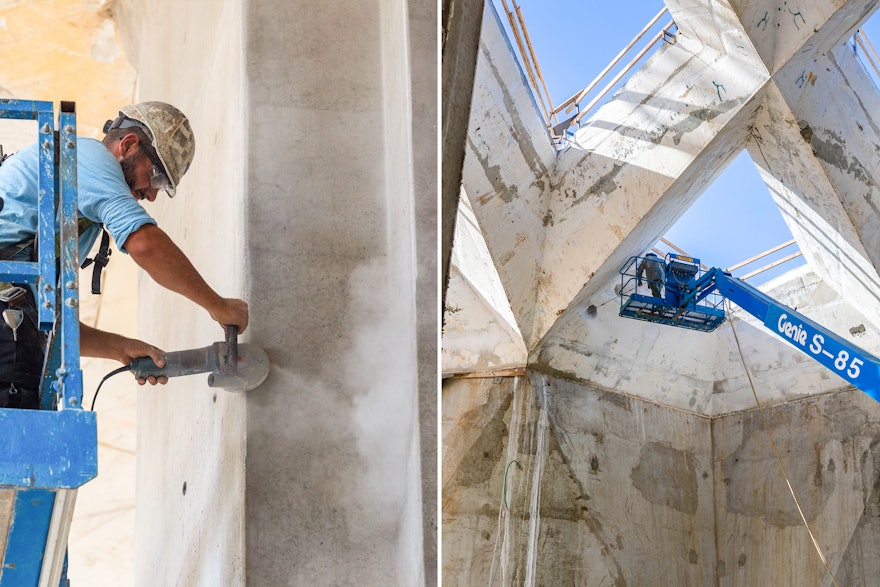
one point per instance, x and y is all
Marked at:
(231, 311)
(137, 348)
(107, 345)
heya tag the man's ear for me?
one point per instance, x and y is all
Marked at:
(128, 143)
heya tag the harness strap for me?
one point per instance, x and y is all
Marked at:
(100, 261)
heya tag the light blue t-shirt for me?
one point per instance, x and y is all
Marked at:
(102, 194)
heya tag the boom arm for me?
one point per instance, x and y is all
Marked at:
(860, 368)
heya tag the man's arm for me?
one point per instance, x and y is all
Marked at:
(154, 251)
(107, 345)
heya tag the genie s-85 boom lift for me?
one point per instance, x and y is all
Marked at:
(683, 295)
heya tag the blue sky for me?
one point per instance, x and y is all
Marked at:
(575, 40)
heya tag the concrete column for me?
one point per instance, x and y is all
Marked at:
(333, 475)
(312, 196)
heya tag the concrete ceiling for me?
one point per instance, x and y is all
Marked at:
(557, 227)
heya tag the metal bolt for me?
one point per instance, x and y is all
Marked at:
(71, 284)
(47, 287)
(47, 304)
(70, 302)
(45, 129)
(73, 402)
(47, 145)
(69, 144)
(68, 129)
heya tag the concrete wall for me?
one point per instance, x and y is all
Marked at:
(564, 485)
(549, 482)
(310, 171)
(827, 445)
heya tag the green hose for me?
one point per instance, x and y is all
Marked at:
(504, 490)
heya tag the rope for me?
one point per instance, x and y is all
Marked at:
(776, 452)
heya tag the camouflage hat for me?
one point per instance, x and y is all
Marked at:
(171, 135)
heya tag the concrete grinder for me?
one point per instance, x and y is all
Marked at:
(232, 366)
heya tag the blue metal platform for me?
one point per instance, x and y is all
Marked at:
(651, 309)
(677, 277)
(50, 452)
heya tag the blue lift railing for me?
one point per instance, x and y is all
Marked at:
(48, 453)
(685, 303)
(657, 300)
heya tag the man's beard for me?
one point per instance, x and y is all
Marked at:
(128, 169)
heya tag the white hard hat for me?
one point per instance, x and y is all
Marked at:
(171, 135)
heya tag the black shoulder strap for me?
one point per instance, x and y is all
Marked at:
(100, 261)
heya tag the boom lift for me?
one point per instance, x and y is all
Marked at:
(691, 297)
(48, 453)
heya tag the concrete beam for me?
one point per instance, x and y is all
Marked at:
(506, 169)
(312, 216)
(783, 31)
(797, 164)
(601, 219)
(479, 332)
(476, 338)
(462, 21)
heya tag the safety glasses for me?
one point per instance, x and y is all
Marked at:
(158, 179)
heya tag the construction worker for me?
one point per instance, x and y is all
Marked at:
(652, 267)
(147, 148)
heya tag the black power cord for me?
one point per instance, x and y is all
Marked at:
(106, 377)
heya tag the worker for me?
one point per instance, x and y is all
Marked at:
(147, 148)
(652, 267)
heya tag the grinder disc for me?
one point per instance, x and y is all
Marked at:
(253, 368)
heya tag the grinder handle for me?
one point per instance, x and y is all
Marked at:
(231, 349)
(144, 367)
(177, 363)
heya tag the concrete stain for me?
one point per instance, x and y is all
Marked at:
(618, 399)
(563, 498)
(753, 484)
(605, 185)
(493, 175)
(831, 148)
(517, 127)
(857, 330)
(578, 348)
(692, 121)
(666, 476)
(486, 452)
